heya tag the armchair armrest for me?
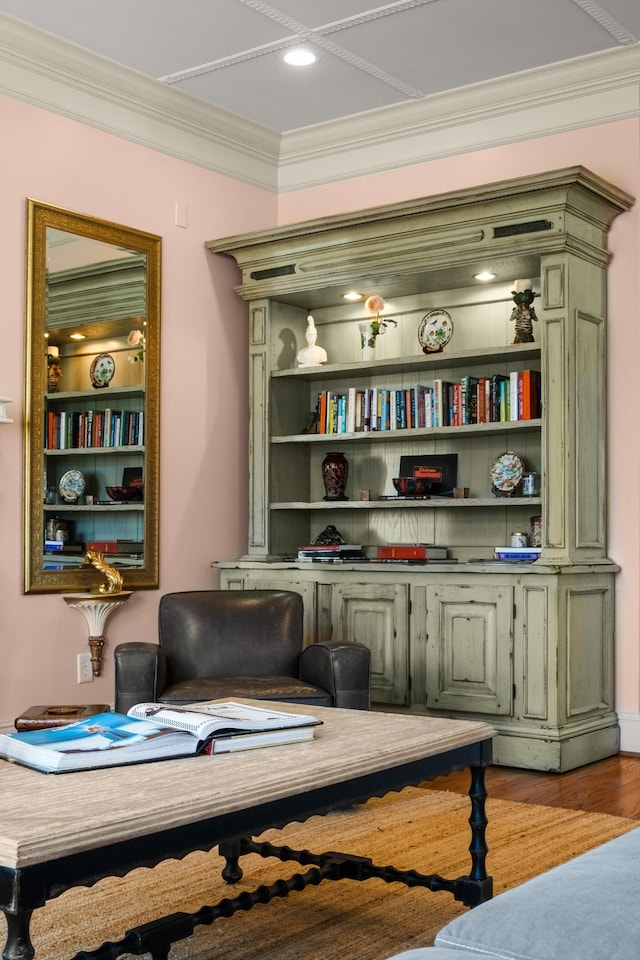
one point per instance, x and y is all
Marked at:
(140, 674)
(342, 669)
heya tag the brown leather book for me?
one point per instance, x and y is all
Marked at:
(39, 718)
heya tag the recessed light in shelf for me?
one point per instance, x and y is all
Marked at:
(352, 295)
(484, 276)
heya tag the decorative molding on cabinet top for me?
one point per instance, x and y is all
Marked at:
(61, 77)
(430, 243)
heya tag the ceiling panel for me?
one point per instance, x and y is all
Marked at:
(157, 37)
(315, 13)
(229, 52)
(422, 48)
(262, 90)
(626, 12)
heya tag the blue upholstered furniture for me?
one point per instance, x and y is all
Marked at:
(586, 909)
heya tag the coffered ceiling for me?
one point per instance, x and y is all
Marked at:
(230, 52)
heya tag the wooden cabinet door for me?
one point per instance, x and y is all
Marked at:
(376, 615)
(470, 648)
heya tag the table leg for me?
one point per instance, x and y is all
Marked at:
(231, 851)
(478, 847)
(18, 945)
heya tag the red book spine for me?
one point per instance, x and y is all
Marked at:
(401, 552)
(103, 546)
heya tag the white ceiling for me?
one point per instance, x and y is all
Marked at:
(229, 52)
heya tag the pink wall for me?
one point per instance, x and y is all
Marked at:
(612, 151)
(204, 381)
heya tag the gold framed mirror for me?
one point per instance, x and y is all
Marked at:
(92, 400)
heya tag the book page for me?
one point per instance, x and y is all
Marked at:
(210, 717)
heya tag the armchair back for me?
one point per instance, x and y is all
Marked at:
(223, 633)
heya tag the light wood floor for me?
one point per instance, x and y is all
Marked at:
(608, 786)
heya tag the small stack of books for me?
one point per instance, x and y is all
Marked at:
(117, 549)
(330, 552)
(64, 546)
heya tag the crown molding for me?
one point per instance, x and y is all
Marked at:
(61, 77)
(598, 88)
(66, 79)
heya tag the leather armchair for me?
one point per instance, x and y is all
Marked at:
(239, 643)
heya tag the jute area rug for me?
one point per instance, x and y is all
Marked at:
(422, 829)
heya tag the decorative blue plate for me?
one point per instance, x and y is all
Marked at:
(72, 485)
(506, 473)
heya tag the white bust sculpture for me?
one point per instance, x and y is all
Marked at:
(311, 355)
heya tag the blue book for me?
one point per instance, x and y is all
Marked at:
(516, 553)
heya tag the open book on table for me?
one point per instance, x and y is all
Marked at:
(154, 731)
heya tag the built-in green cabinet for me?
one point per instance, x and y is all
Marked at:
(528, 648)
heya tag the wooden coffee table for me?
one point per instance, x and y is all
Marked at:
(82, 827)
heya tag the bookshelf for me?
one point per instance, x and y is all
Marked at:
(529, 648)
(100, 433)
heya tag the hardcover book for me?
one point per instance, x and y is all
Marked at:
(41, 717)
(440, 468)
(516, 553)
(407, 551)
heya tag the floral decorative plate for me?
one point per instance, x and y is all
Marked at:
(506, 474)
(435, 331)
(102, 370)
(71, 486)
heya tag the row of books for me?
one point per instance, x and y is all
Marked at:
(70, 430)
(98, 546)
(73, 561)
(491, 399)
(330, 552)
(401, 552)
(114, 551)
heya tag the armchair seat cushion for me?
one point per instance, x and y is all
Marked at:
(262, 688)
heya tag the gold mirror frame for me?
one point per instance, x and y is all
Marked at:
(89, 303)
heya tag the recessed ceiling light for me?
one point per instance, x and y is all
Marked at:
(299, 57)
(77, 336)
(484, 275)
(352, 295)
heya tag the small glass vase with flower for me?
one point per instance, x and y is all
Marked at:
(370, 330)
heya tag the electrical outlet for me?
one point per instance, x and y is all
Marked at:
(85, 670)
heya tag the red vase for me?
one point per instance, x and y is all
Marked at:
(335, 470)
